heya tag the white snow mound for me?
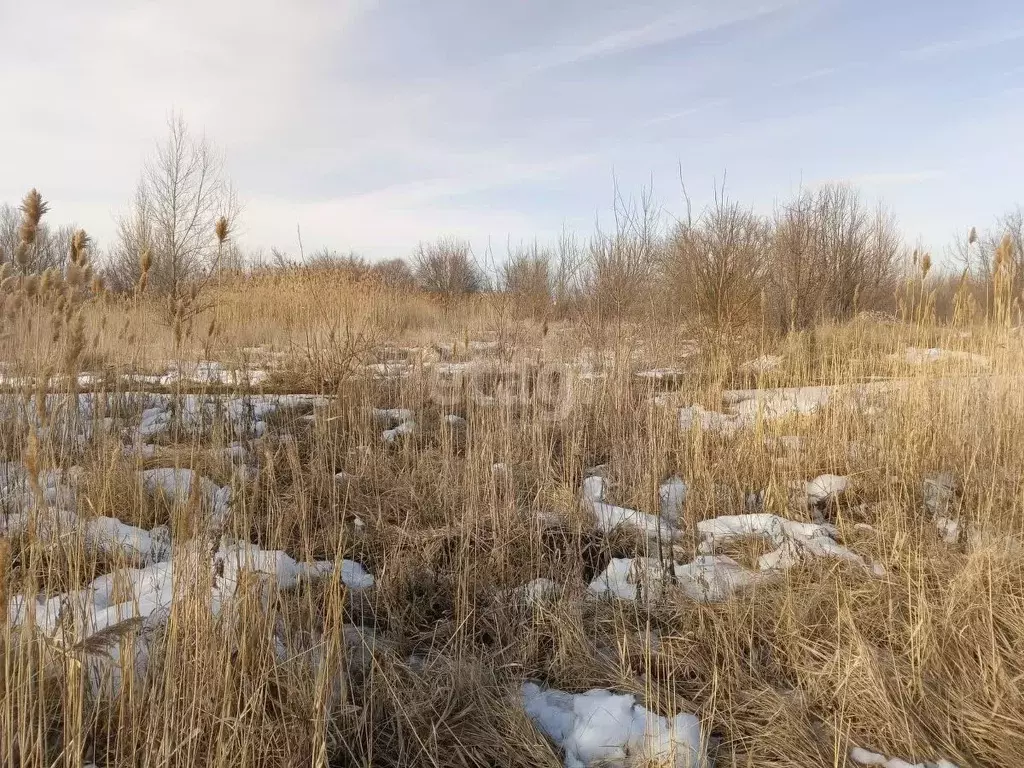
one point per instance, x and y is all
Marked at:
(601, 728)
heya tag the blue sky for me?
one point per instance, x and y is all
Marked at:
(374, 125)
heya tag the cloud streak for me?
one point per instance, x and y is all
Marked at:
(676, 26)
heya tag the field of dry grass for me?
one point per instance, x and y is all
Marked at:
(331, 523)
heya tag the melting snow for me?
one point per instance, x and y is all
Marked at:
(144, 598)
(212, 372)
(243, 415)
(918, 356)
(535, 591)
(180, 484)
(661, 374)
(708, 421)
(728, 528)
(609, 517)
(402, 418)
(395, 369)
(795, 541)
(708, 579)
(601, 728)
(866, 757)
(102, 535)
(391, 416)
(672, 495)
(405, 428)
(825, 487)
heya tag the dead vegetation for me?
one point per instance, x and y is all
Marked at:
(198, 567)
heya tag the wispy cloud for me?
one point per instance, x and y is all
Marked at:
(894, 178)
(699, 108)
(678, 25)
(488, 172)
(986, 39)
(806, 77)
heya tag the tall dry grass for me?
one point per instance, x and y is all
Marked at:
(425, 668)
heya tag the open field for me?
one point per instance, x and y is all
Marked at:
(563, 384)
(337, 524)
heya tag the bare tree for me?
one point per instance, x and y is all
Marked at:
(977, 252)
(568, 278)
(183, 210)
(134, 238)
(447, 267)
(51, 248)
(796, 284)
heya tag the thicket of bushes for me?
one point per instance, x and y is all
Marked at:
(825, 255)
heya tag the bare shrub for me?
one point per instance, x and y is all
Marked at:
(620, 266)
(350, 265)
(833, 256)
(977, 251)
(715, 267)
(795, 269)
(568, 274)
(394, 273)
(446, 267)
(526, 276)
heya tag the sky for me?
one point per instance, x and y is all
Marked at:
(375, 124)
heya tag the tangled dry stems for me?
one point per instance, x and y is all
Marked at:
(424, 669)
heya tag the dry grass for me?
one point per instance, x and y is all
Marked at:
(425, 667)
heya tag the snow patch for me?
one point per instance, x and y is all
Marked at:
(918, 356)
(601, 728)
(661, 374)
(866, 757)
(179, 485)
(708, 579)
(824, 488)
(672, 496)
(795, 542)
(609, 517)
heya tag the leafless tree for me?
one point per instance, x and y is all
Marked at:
(51, 249)
(796, 282)
(446, 267)
(281, 259)
(568, 277)
(976, 252)
(181, 197)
